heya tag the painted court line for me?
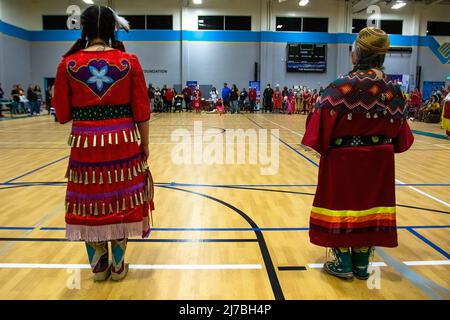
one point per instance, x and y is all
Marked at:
(135, 266)
(425, 194)
(292, 131)
(219, 229)
(383, 264)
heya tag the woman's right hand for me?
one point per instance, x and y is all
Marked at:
(145, 151)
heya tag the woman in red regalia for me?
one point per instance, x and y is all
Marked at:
(446, 115)
(358, 124)
(277, 99)
(306, 101)
(109, 192)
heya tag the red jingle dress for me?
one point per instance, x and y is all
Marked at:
(104, 93)
(277, 99)
(357, 126)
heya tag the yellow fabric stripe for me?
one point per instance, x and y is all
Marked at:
(354, 213)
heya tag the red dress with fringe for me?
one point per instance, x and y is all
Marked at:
(105, 94)
(357, 126)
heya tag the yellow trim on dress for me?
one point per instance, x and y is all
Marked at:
(354, 213)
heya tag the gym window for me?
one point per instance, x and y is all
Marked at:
(211, 22)
(315, 24)
(358, 25)
(392, 26)
(238, 23)
(137, 22)
(288, 24)
(388, 26)
(302, 24)
(54, 22)
(160, 22)
(436, 28)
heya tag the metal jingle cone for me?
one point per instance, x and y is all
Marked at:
(125, 138)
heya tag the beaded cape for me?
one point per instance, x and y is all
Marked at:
(361, 91)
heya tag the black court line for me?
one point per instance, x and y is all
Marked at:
(292, 268)
(129, 240)
(271, 272)
(421, 208)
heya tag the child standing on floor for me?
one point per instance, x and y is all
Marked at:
(290, 102)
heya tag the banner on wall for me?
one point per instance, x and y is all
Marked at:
(192, 84)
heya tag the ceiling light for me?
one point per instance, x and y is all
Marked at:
(88, 1)
(303, 3)
(197, 1)
(398, 5)
(279, 26)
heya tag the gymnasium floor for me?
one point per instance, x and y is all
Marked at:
(221, 231)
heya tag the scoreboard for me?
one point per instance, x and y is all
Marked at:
(302, 57)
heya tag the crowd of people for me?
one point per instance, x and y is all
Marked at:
(295, 100)
(29, 102)
(298, 99)
(429, 110)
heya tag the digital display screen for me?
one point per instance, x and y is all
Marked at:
(302, 57)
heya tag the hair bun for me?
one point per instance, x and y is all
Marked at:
(373, 40)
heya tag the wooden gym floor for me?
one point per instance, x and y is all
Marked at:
(221, 231)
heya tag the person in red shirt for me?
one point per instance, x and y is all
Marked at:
(170, 94)
(197, 103)
(252, 95)
(102, 90)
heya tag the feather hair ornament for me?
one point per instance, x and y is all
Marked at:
(121, 22)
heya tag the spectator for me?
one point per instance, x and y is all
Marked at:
(158, 100)
(15, 94)
(151, 94)
(268, 95)
(285, 93)
(163, 96)
(277, 99)
(170, 94)
(33, 100)
(226, 96)
(234, 96)
(242, 97)
(252, 99)
(187, 94)
(40, 100)
(1, 92)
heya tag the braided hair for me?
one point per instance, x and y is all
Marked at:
(97, 22)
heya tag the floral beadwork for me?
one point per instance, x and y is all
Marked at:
(99, 75)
